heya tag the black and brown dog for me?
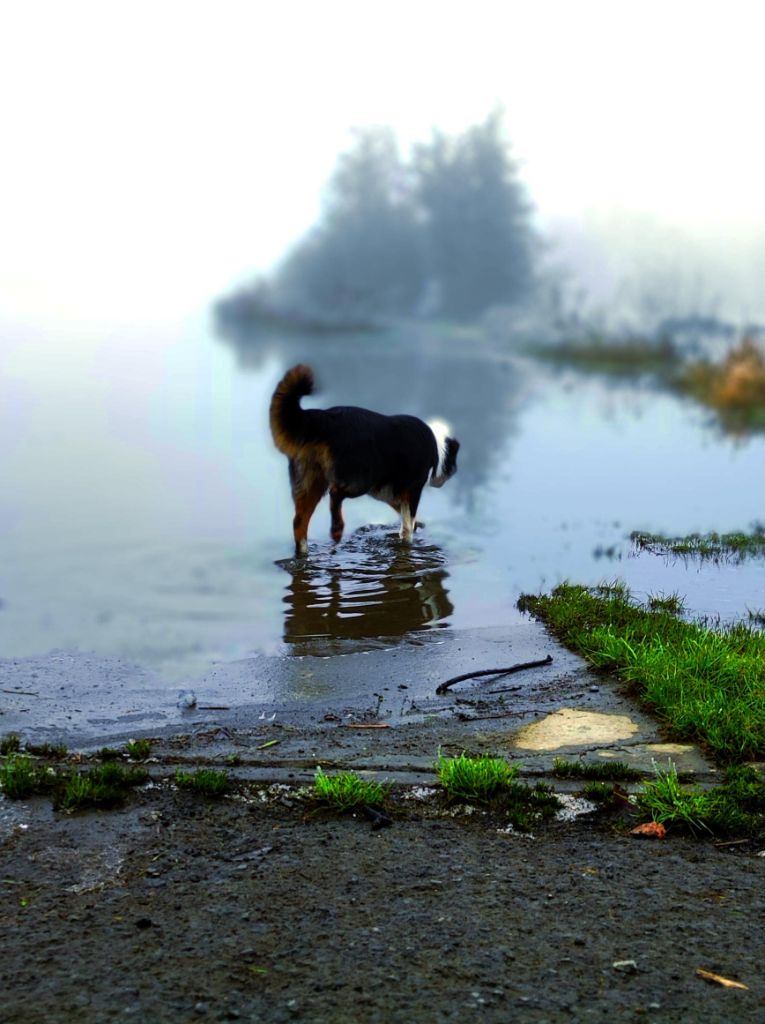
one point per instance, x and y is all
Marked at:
(350, 451)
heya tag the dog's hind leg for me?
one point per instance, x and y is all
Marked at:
(336, 497)
(307, 492)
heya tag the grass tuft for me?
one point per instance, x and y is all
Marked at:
(671, 604)
(718, 547)
(670, 804)
(10, 744)
(493, 782)
(108, 754)
(601, 793)
(105, 785)
(476, 779)
(19, 777)
(346, 791)
(612, 770)
(206, 781)
(139, 750)
(50, 750)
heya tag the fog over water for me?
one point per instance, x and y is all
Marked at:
(158, 156)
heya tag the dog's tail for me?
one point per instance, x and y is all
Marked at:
(286, 414)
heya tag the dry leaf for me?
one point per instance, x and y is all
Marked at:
(367, 725)
(649, 830)
(719, 980)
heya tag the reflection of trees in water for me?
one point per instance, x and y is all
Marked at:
(372, 588)
(410, 370)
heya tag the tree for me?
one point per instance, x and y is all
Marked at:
(450, 230)
(365, 255)
(479, 242)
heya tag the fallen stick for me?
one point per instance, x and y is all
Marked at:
(378, 818)
(443, 687)
(367, 725)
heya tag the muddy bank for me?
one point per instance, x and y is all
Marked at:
(254, 907)
(177, 909)
(312, 706)
(77, 697)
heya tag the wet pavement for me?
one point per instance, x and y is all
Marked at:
(373, 711)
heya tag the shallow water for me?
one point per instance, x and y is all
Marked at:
(146, 514)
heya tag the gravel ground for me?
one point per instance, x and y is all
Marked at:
(180, 909)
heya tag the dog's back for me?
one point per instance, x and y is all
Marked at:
(352, 451)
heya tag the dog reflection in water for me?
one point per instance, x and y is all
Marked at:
(379, 590)
(350, 451)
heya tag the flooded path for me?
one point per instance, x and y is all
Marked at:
(146, 533)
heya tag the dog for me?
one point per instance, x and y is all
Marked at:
(350, 451)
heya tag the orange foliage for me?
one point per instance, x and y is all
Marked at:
(739, 382)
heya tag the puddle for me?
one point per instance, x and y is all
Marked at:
(670, 749)
(369, 591)
(571, 728)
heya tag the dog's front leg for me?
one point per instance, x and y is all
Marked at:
(336, 509)
(407, 523)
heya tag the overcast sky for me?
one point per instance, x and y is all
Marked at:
(155, 153)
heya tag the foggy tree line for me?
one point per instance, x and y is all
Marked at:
(445, 232)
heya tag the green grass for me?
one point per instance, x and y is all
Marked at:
(475, 779)
(50, 750)
(491, 781)
(707, 685)
(105, 785)
(672, 604)
(10, 744)
(737, 807)
(601, 793)
(20, 777)
(139, 750)
(108, 754)
(524, 806)
(612, 770)
(345, 791)
(616, 357)
(718, 547)
(205, 781)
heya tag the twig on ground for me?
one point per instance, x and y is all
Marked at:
(443, 687)
(378, 818)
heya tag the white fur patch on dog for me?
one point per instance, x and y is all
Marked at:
(441, 431)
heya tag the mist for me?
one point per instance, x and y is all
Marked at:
(155, 159)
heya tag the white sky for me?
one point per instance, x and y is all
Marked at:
(154, 153)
